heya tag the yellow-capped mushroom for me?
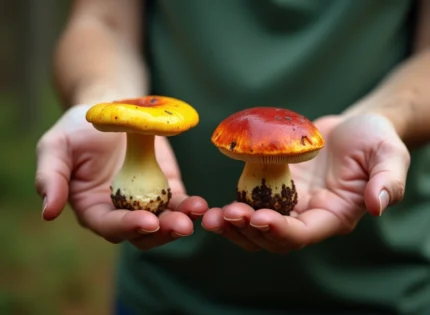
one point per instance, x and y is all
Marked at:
(141, 184)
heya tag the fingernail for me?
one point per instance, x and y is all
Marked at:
(263, 228)
(384, 200)
(197, 214)
(143, 231)
(177, 235)
(240, 222)
(233, 220)
(44, 204)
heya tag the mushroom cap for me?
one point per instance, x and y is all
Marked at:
(268, 134)
(151, 115)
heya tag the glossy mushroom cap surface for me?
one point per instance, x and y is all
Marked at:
(152, 115)
(270, 134)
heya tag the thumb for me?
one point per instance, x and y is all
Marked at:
(53, 171)
(388, 171)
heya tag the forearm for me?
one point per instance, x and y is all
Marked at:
(404, 98)
(97, 58)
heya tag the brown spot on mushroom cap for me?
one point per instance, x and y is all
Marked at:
(267, 131)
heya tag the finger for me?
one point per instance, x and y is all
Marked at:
(193, 206)
(53, 171)
(118, 225)
(239, 215)
(388, 171)
(214, 221)
(173, 225)
(307, 228)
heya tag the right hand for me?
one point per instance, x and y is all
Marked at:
(77, 163)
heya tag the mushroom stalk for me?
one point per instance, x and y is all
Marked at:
(140, 183)
(267, 186)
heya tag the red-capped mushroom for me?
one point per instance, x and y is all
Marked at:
(268, 139)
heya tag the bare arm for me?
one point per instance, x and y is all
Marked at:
(404, 96)
(98, 56)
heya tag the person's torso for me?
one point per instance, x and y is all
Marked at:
(316, 58)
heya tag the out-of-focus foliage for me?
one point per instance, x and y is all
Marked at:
(45, 267)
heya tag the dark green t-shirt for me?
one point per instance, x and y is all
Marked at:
(316, 57)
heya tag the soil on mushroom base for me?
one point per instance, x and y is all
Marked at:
(121, 202)
(262, 197)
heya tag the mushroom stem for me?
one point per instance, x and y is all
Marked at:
(268, 186)
(140, 184)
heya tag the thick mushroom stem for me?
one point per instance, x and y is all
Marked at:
(267, 186)
(140, 184)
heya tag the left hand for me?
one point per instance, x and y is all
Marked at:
(76, 163)
(362, 167)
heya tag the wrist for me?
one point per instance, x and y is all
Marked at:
(398, 108)
(100, 92)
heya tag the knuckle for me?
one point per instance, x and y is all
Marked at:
(41, 143)
(40, 176)
(49, 140)
(44, 142)
(397, 149)
(402, 151)
(398, 192)
(407, 157)
(38, 183)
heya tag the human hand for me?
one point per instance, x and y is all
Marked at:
(362, 168)
(77, 163)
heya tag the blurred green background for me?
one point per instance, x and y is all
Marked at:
(45, 267)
